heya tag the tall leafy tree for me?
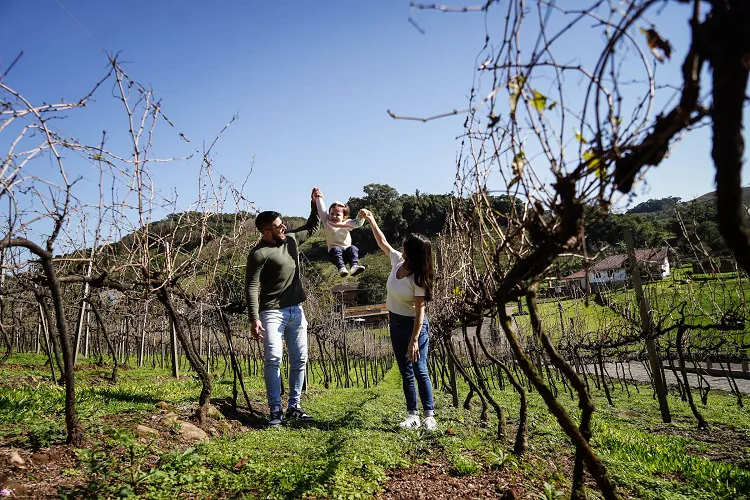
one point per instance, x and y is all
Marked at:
(387, 205)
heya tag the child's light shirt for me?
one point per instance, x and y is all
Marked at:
(337, 236)
(401, 292)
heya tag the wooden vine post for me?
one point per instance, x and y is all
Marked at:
(660, 385)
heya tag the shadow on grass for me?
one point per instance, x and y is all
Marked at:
(353, 417)
(124, 396)
(34, 437)
(333, 459)
(248, 417)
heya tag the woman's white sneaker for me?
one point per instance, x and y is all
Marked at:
(429, 423)
(410, 422)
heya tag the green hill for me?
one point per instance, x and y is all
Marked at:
(220, 242)
(711, 197)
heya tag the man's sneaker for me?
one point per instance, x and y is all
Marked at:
(429, 423)
(343, 272)
(356, 269)
(297, 413)
(412, 421)
(276, 416)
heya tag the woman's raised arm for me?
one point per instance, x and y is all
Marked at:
(379, 236)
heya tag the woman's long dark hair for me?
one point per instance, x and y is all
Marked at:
(418, 260)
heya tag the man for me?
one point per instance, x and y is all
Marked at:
(274, 294)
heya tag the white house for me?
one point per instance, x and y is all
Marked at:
(613, 270)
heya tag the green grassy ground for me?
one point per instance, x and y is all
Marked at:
(705, 302)
(355, 442)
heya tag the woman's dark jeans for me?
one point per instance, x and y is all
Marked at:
(401, 330)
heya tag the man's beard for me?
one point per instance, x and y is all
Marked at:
(278, 239)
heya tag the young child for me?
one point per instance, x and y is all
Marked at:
(337, 225)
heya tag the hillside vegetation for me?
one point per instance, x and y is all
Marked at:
(223, 239)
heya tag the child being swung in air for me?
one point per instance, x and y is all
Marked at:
(337, 225)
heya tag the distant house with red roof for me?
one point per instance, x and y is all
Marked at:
(575, 280)
(613, 270)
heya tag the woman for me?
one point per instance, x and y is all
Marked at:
(408, 288)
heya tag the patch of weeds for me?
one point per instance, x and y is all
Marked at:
(500, 459)
(28, 417)
(636, 457)
(117, 467)
(647, 458)
(463, 464)
(25, 364)
(550, 493)
(123, 467)
(27, 403)
(45, 434)
(418, 442)
(70, 472)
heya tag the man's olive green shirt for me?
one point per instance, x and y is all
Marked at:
(272, 277)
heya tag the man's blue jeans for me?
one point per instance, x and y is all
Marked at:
(401, 329)
(288, 325)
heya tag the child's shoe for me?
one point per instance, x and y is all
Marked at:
(356, 269)
(343, 272)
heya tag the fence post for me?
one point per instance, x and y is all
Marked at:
(452, 377)
(82, 316)
(364, 351)
(347, 382)
(200, 329)
(656, 369)
(175, 354)
(143, 335)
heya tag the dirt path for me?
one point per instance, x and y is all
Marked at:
(434, 480)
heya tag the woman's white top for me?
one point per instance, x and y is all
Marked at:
(401, 292)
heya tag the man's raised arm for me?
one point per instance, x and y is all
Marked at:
(313, 221)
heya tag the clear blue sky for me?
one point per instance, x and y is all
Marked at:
(310, 81)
